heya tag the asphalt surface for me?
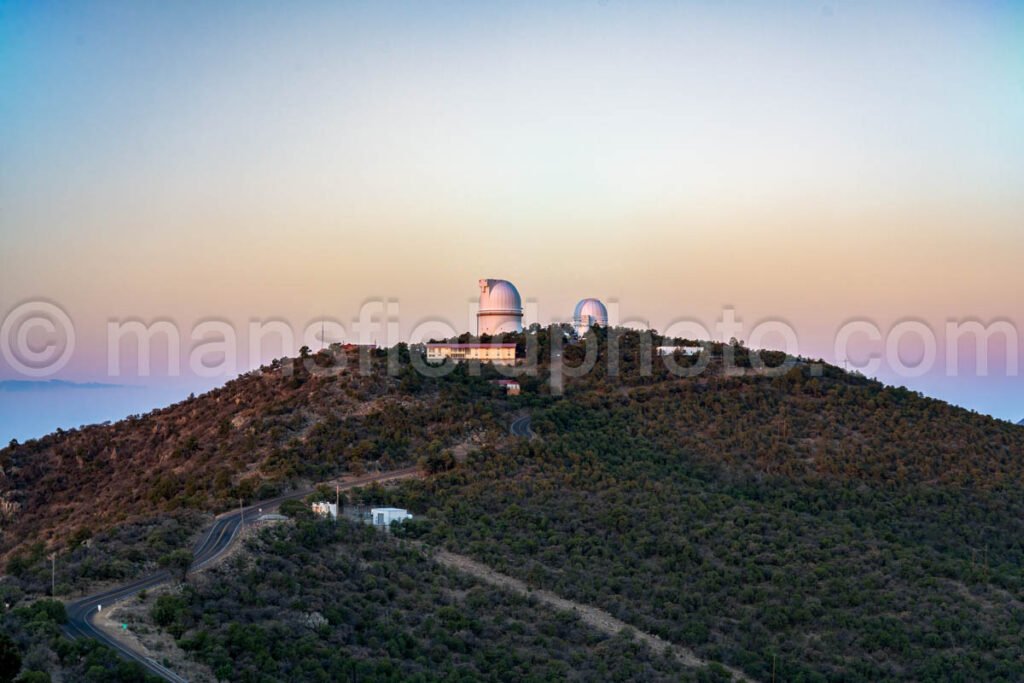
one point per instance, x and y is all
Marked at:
(212, 546)
(521, 427)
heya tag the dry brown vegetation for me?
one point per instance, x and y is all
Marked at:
(268, 429)
(810, 522)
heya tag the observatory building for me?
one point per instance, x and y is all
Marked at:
(499, 354)
(500, 312)
(501, 308)
(589, 312)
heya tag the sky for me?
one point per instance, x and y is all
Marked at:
(808, 162)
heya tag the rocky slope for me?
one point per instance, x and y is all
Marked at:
(271, 428)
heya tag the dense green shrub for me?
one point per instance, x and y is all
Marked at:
(320, 601)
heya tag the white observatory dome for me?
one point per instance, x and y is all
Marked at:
(589, 312)
(499, 295)
(501, 308)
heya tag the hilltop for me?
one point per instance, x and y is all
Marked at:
(304, 420)
(292, 422)
(809, 521)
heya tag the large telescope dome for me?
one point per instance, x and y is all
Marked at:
(589, 312)
(501, 308)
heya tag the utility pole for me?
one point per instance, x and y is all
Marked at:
(53, 574)
(337, 502)
(241, 511)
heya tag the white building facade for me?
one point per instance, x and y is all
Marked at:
(499, 354)
(684, 350)
(385, 516)
(329, 510)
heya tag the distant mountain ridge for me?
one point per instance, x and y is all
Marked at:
(52, 385)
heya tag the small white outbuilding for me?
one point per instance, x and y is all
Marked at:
(329, 510)
(684, 350)
(385, 516)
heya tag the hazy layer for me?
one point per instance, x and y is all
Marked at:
(813, 164)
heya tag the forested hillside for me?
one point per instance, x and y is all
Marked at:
(806, 522)
(318, 601)
(824, 527)
(280, 426)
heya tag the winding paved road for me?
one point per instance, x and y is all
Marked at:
(217, 540)
(521, 427)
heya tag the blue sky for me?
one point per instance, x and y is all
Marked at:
(814, 162)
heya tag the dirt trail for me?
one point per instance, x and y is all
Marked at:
(592, 616)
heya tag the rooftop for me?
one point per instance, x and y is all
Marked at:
(472, 346)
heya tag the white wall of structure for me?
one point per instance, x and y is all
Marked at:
(685, 350)
(385, 516)
(325, 510)
(499, 354)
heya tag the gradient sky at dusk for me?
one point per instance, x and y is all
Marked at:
(810, 162)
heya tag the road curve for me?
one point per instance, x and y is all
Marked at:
(521, 427)
(211, 547)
